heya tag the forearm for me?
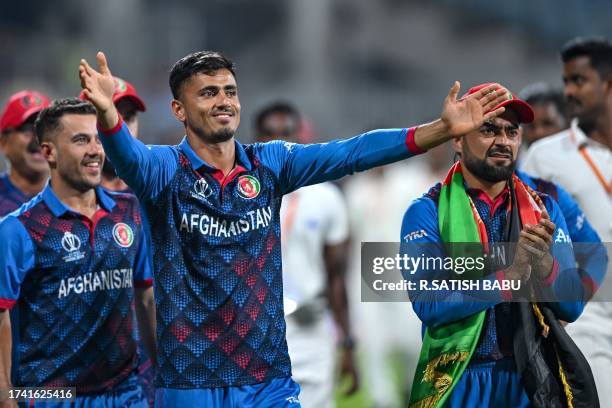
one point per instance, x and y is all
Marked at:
(109, 118)
(316, 163)
(6, 344)
(145, 313)
(431, 134)
(335, 264)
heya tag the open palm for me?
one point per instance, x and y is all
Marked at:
(464, 115)
(98, 86)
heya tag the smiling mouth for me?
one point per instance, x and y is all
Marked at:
(93, 165)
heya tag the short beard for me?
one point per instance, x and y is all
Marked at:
(481, 169)
(219, 136)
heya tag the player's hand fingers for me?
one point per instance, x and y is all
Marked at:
(532, 250)
(493, 114)
(536, 237)
(452, 94)
(541, 232)
(548, 225)
(88, 69)
(102, 63)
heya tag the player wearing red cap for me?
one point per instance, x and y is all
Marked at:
(479, 349)
(28, 168)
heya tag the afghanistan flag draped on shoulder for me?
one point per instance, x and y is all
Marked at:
(447, 349)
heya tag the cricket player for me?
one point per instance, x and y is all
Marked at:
(213, 204)
(72, 263)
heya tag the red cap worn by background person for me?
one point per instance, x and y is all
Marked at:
(20, 107)
(123, 89)
(522, 108)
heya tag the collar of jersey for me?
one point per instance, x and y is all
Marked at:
(197, 163)
(58, 208)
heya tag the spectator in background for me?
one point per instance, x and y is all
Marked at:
(549, 112)
(314, 225)
(28, 171)
(580, 160)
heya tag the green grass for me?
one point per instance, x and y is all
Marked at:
(361, 399)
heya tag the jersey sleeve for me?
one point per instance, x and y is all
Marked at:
(420, 238)
(143, 276)
(590, 253)
(146, 169)
(338, 229)
(298, 165)
(564, 281)
(16, 259)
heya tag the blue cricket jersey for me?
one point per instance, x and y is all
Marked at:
(69, 282)
(11, 197)
(216, 246)
(590, 253)
(434, 308)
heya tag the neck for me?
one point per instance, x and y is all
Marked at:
(220, 155)
(84, 203)
(113, 184)
(491, 189)
(28, 185)
(602, 131)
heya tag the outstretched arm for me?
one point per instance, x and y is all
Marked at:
(299, 165)
(147, 170)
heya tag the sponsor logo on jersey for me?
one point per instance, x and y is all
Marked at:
(248, 187)
(201, 189)
(123, 235)
(415, 235)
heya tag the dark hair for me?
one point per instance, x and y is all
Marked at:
(598, 49)
(48, 119)
(541, 93)
(206, 62)
(276, 107)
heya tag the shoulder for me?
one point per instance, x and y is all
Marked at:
(551, 144)
(420, 221)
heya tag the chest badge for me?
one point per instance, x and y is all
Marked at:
(70, 242)
(201, 189)
(248, 187)
(123, 235)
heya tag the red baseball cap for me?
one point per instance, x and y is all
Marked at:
(522, 108)
(123, 89)
(20, 107)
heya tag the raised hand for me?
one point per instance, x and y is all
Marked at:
(464, 115)
(99, 87)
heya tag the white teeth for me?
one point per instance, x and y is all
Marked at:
(92, 165)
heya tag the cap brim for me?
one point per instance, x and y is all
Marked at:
(137, 101)
(522, 109)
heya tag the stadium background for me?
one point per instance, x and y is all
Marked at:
(349, 65)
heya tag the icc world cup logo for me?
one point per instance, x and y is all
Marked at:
(202, 188)
(70, 242)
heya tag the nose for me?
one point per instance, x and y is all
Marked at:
(569, 89)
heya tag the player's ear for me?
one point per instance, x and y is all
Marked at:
(178, 110)
(458, 144)
(49, 151)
